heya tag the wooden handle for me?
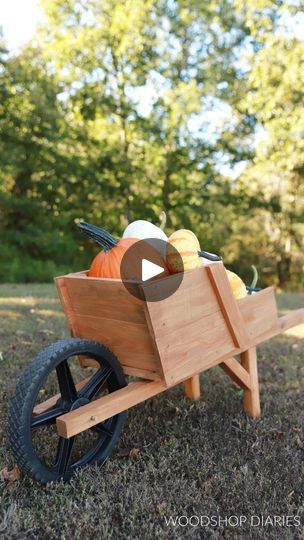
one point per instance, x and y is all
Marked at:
(291, 319)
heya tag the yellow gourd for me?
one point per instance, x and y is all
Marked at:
(237, 285)
(187, 246)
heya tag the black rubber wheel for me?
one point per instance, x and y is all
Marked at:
(37, 448)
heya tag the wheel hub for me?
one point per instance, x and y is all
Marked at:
(79, 403)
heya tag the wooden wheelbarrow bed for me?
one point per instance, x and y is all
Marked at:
(167, 342)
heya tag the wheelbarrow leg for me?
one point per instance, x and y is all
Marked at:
(252, 394)
(192, 387)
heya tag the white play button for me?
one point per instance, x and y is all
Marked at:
(150, 270)
(142, 266)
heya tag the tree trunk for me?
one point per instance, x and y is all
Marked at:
(165, 194)
(283, 269)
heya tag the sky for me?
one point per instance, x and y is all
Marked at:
(18, 19)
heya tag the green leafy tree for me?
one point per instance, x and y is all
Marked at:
(128, 108)
(176, 58)
(274, 95)
(35, 174)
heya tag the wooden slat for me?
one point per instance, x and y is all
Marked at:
(283, 323)
(66, 305)
(121, 335)
(236, 372)
(228, 304)
(193, 300)
(103, 310)
(48, 404)
(217, 356)
(141, 373)
(93, 299)
(112, 290)
(101, 409)
(161, 288)
(187, 325)
(107, 299)
(138, 360)
(195, 337)
(200, 358)
(252, 394)
(259, 312)
(192, 388)
(135, 372)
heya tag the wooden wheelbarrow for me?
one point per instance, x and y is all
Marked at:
(159, 343)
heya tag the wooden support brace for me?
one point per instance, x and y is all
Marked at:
(236, 372)
(252, 394)
(227, 302)
(192, 387)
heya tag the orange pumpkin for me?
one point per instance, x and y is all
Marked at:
(107, 263)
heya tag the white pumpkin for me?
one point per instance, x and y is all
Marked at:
(142, 229)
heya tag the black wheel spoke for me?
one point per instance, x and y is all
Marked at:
(47, 418)
(95, 383)
(103, 428)
(64, 450)
(66, 383)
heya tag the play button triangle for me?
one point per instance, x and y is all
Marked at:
(150, 270)
(143, 269)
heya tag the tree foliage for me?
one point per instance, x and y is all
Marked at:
(123, 109)
(274, 95)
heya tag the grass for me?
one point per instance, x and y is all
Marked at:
(202, 458)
